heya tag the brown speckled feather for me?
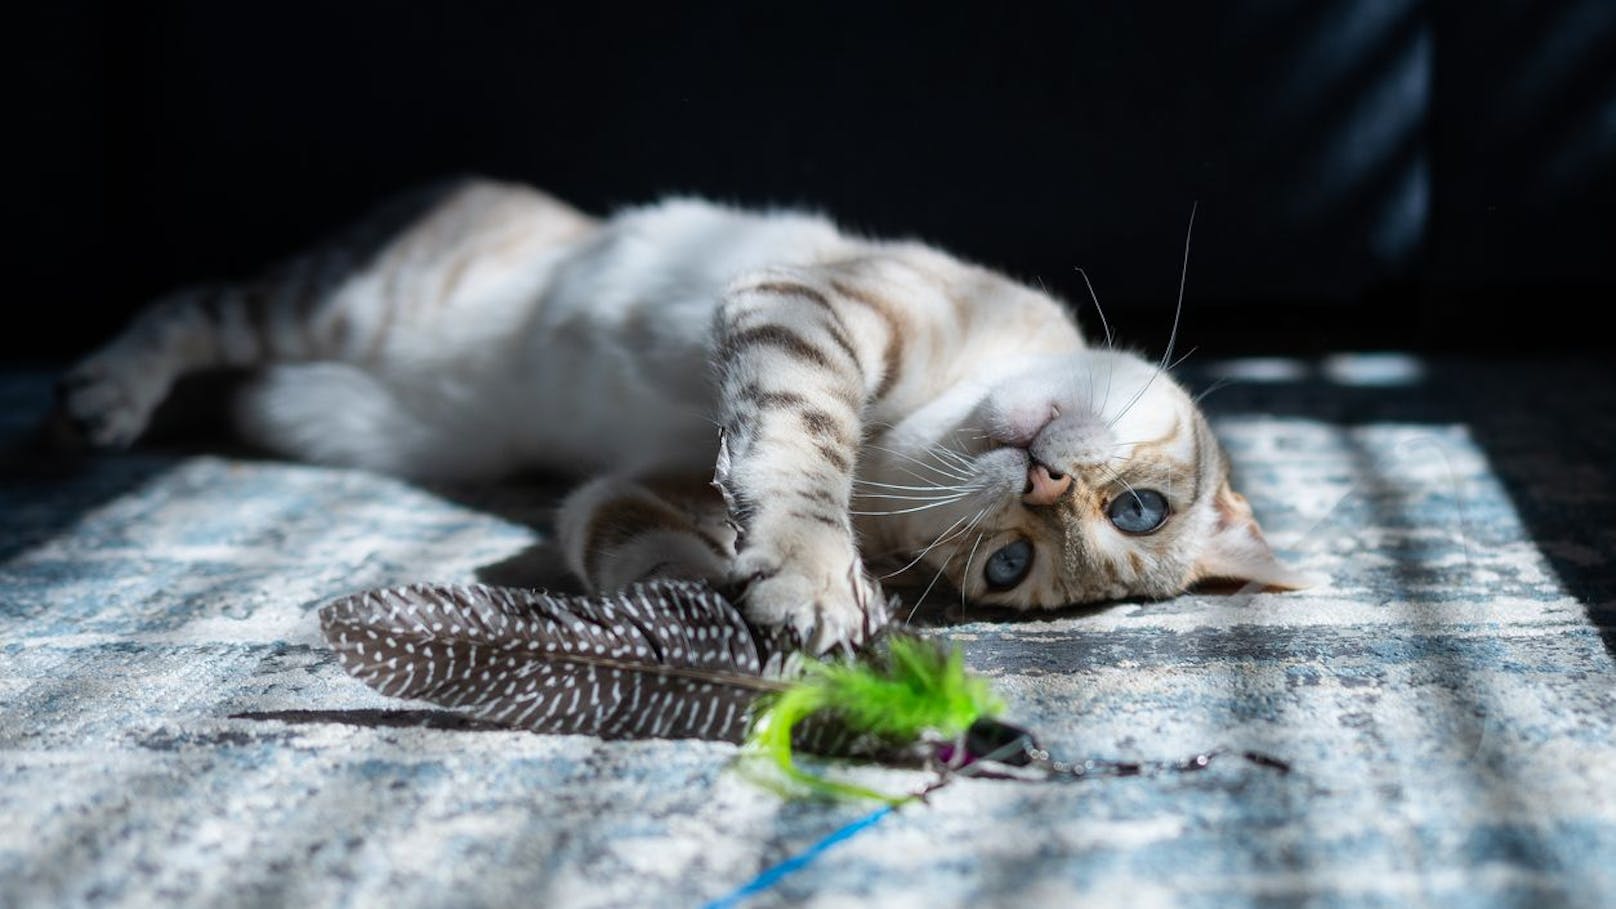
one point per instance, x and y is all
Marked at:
(668, 659)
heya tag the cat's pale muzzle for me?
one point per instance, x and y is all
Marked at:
(1073, 441)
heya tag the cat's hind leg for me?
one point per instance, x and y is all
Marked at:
(109, 397)
(291, 313)
(379, 293)
(615, 531)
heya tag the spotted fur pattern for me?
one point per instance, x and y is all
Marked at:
(871, 407)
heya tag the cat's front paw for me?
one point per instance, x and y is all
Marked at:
(817, 610)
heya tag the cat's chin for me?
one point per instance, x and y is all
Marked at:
(1018, 427)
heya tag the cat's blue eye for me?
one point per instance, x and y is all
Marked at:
(1138, 511)
(1009, 566)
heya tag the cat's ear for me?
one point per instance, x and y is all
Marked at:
(1238, 552)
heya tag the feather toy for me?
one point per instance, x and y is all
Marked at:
(666, 659)
(676, 659)
(913, 693)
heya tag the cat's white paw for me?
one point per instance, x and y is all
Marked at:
(107, 402)
(816, 610)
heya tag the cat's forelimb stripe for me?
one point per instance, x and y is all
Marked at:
(794, 386)
(798, 364)
(892, 350)
(846, 314)
(834, 328)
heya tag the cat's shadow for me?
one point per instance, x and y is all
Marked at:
(528, 500)
(539, 565)
(949, 611)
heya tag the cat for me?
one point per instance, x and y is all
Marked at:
(869, 405)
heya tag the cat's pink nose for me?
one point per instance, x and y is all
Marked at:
(1043, 486)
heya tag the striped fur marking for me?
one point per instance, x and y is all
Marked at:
(780, 337)
(892, 354)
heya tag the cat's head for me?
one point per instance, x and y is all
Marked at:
(1081, 478)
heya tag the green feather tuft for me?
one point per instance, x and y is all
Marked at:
(912, 690)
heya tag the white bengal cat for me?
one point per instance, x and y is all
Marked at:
(872, 407)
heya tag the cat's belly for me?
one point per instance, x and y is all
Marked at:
(587, 404)
(614, 375)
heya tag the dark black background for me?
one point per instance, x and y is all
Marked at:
(1369, 175)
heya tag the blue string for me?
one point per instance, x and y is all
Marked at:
(770, 876)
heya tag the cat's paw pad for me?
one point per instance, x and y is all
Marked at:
(815, 611)
(105, 407)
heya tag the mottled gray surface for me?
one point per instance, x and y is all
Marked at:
(1447, 699)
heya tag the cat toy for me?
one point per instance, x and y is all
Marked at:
(676, 659)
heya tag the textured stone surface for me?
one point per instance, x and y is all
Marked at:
(1448, 699)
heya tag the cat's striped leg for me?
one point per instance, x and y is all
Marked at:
(109, 397)
(345, 300)
(798, 358)
(615, 531)
(293, 313)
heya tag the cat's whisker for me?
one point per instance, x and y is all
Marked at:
(932, 467)
(911, 458)
(1110, 374)
(1178, 313)
(921, 477)
(1183, 276)
(967, 573)
(940, 448)
(941, 569)
(1132, 401)
(938, 504)
(900, 497)
(953, 457)
(941, 538)
(1110, 344)
(975, 521)
(1180, 361)
(927, 592)
(1215, 386)
(1161, 366)
(1117, 476)
(974, 435)
(1097, 310)
(858, 482)
(931, 481)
